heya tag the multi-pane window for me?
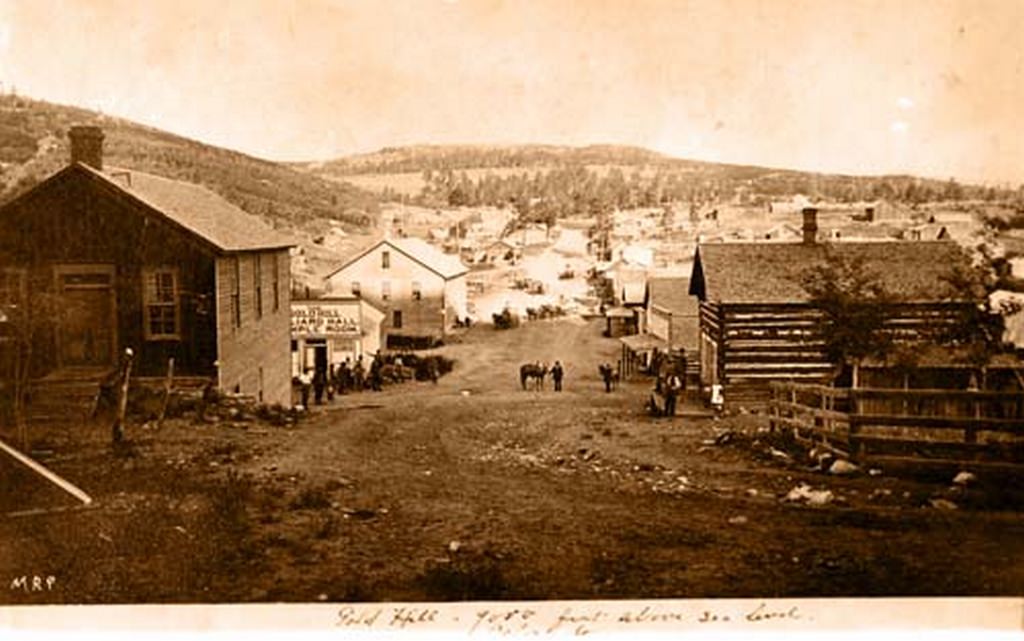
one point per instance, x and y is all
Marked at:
(160, 304)
(257, 283)
(385, 290)
(236, 293)
(417, 290)
(396, 319)
(385, 259)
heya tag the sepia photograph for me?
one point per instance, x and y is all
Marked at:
(514, 318)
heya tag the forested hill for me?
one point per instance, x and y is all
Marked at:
(33, 144)
(577, 178)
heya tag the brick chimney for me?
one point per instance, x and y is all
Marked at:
(87, 145)
(810, 225)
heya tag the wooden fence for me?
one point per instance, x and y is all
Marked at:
(911, 425)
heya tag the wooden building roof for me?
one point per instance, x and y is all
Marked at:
(773, 272)
(194, 208)
(673, 295)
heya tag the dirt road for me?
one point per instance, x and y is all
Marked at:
(475, 489)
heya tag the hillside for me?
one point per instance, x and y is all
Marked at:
(33, 144)
(577, 178)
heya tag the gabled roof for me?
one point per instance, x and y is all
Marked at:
(672, 294)
(192, 207)
(773, 272)
(447, 266)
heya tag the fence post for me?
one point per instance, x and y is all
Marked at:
(854, 445)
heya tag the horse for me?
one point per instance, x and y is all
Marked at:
(535, 371)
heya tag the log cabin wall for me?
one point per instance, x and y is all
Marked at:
(76, 221)
(745, 347)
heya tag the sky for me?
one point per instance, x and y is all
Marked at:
(927, 87)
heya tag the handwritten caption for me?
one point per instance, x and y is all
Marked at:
(576, 620)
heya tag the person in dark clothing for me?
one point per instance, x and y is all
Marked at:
(358, 374)
(673, 386)
(556, 375)
(375, 375)
(606, 375)
(329, 382)
(319, 383)
(344, 375)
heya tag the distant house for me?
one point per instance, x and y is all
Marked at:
(672, 314)
(330, 330)
(756, 321)
(164, 267)
(502, 250)
(421, 290)
(670, 324)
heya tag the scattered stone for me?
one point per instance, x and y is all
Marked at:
(779, 454)
(943, 504)
(454, 546)
(683, 480)
(321, 597)
(879, 493)
(723, 438)
(803, 492)
(965, 478)
(874, 472)
(738, 520)
(840, 467)
(753, 492)
(427, 472)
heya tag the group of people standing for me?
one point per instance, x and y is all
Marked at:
(343, 378)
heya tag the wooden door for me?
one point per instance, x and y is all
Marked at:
(87, 336)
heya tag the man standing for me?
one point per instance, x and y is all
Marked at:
(556, 375)
(672, 388)
(305, 383)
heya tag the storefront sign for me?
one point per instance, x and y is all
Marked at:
(324, 319)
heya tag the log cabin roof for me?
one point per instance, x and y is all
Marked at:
(773, 272)
(193, 208)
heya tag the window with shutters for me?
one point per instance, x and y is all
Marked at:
(385, 259)
(160, 304)
(417, 291)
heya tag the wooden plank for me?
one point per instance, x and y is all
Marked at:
(877, 392)
(951, 464)
(872, 439)
(44, 472)
(815, 411)
(940, 422)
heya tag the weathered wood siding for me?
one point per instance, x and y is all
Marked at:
(752, 345)
(78, 220)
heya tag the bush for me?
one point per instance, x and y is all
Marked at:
(470, 576)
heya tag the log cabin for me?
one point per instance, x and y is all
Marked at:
(167, 268)
(757, 324)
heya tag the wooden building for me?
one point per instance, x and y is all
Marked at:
(328, 331)
(756, 321)
(421, 290)
(113, 259)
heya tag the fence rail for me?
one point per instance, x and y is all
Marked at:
(921, 425)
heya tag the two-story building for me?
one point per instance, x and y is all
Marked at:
(421, 290)
(108, 259)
